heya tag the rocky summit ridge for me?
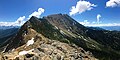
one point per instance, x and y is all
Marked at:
(37, 39)
(60, 37)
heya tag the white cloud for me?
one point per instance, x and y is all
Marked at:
(18, 22)
(81, 7)
(98, 18)
(84, 22)
(94, 24)
(107, 24)
(113, 3)
(21, 20)
(37, 13)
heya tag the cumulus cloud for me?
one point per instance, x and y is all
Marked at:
(37, 13)
(113, 3)
(81, 7)
(18, 22)
(95, 24)
(98, 18)
(85, 22)
(21, 20)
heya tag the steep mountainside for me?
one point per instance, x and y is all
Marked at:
(6, 34)
(63, 30)
(104, 44)
(37, 39)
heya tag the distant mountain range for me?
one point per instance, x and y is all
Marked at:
(117, 28)
(110, 28)
(59, 36)
(6, 33)
(8, 27)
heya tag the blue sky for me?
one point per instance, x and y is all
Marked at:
(13, 10)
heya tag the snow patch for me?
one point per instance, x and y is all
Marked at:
(93, 45)
(30, 42)
(25, 52)
(68, 29)
(85, 39)
(25, 33)
(56, 27)
(13, 50)
(61, 32)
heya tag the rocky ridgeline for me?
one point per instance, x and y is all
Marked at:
(46, 49)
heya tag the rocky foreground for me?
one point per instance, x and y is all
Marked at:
(42, 48)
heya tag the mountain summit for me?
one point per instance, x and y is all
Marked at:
(40, 38)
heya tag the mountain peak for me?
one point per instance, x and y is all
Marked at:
(33, 18)
(63, 28)
(58, 15)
